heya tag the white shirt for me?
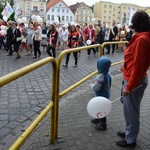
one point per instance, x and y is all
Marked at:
(59, 30)
(107, 33)
(65, 35)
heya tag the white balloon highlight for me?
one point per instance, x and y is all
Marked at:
(99, 107)
(5, 18)
(88, 42)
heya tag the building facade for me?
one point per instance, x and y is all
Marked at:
(30, 7)
(121, 13)
(82, 12)
(58, 8)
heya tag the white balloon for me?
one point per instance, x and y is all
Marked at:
(122, 32)
(128, 30)
(56, 22)
(3, 32)
(73, 23)
(37, 18)
(119, 25)
(56, 18)
(3, 27)
(99, 107)
(5, 18)
(24, 19)
(19, 21)
(33, 17)
(107, 26)
(93, 19)
(88, 42)
(40, 20)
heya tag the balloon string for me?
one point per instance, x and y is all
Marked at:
(122, 96)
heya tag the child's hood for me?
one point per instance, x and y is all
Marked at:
(103, 65)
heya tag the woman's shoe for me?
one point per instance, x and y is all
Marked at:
(121, 134)
(75, 66)
(65, 66)
(39, 56)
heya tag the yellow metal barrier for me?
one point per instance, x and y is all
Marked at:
(54, 104)
(60, 57)
(51, 106)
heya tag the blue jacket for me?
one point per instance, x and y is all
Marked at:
(102, 86)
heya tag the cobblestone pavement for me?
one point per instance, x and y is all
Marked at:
(22, 100)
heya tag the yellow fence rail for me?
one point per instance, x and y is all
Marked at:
(56, 95)
(19, 73)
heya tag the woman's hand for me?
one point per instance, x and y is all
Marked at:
(125, 93)
(89, 86)
(121, 69)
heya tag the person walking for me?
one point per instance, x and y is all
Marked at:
(9, 38)
(136, 64)
(37, 37)
(52, 36)
(72, 43)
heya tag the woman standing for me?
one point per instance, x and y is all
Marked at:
(37, 37)
(44, 36)
(52, 36)
(30, 32)
(72, 43)
(136, 64)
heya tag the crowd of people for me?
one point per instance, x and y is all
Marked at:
(36, 37)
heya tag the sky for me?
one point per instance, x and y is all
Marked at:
(91, 2)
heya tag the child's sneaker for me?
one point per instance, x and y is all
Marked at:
(95, 121)
(100, 126)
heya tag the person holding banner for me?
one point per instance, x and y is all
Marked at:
(136, 64)
(9, 38)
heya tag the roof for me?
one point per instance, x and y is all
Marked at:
(51, 3)
(75, 6)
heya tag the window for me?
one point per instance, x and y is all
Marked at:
(70, 18)
(67, 18)
(104, 11)
(110, 12)
(105, 6)
(41, 9)
(52, 9)
(67, 11)
(52, 17)
(63, 11)
(28, 8)
(60, 5)
(28, 16)
(104, 17)
(63, 18)
(48, 17)
(35, 8)
(58, 10)
(109, 17)
(110, 6)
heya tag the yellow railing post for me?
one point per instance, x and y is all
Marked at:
(51, 106)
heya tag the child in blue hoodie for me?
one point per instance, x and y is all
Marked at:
(102, 87)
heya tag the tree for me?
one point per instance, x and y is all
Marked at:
(92, 7)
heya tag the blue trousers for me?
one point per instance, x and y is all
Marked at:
(131, 105)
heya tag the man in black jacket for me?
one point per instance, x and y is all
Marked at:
(9, 38)
(115, 31)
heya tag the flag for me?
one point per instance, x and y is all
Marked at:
(7, 11)
(131, 15)
(18, 11)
